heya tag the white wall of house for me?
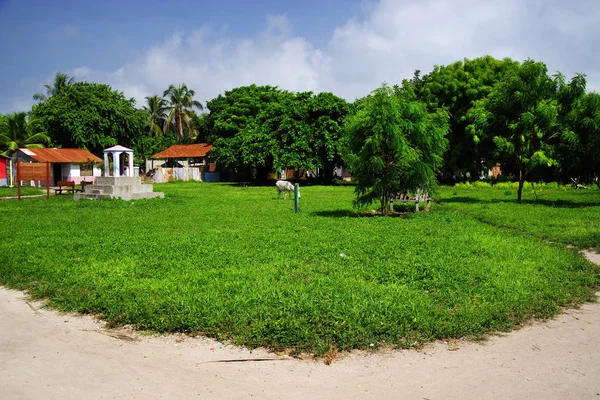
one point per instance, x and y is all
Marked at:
(72, 172)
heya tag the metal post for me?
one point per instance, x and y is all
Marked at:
(296, 199)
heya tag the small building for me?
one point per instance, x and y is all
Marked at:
(183, 162)
(4, 172)
(74, 165)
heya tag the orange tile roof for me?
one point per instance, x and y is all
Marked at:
(184, 151)
(54, 155)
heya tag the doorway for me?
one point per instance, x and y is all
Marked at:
(57, 173)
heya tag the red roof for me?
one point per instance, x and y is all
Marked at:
(184, 151)
(60, 155)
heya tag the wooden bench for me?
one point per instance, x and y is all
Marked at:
(65, 185)
(420, 196)
(83, 185)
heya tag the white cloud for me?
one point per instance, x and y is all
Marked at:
(211, 65)
(388, 42)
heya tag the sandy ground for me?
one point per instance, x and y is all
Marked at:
(45, 355)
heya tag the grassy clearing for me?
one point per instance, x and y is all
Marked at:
(237, 264)
(6, 191)
(558, 213)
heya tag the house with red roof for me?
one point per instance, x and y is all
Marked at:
(65, 164)
(183, 162)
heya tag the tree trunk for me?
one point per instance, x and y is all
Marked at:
(521, 178)
(384, 194)
(179, 128)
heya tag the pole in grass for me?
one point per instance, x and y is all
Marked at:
(296, 198)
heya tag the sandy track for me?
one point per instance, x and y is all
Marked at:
(44, 355)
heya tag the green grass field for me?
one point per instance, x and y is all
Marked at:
(558, 213)
(6, 191)
(239, 265)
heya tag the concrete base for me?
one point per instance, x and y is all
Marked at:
(120, 187)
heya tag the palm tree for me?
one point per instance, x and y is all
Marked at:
(157, 114)
(17, 132)
(180, 106)
(60, 81)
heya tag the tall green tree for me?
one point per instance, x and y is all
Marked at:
(90, 115)
(157, 112)
(523, 112)
(264, 127)
(395, 146)
(238, 138)
(60, 81)
(181, 104)
(17, 132)
(326, 115)
(456, 88)
(580, 143)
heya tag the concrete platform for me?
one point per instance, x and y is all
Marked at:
(119, 187)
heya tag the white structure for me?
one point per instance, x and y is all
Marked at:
(118, 155)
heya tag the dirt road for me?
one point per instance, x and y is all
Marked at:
(44, 355)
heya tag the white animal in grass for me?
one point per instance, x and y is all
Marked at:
(285, 187)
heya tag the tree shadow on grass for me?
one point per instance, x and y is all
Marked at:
(337, 214)
(541, 202)
(363, 214)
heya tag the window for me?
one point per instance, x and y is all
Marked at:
(86, 169)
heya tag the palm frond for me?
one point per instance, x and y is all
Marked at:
(39, 97)
(38, 138)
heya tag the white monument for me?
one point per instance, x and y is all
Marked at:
(120, 182)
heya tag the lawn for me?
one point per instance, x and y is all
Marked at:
(239, 265)
(6, 191)
(552, 212)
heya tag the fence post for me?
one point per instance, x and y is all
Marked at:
(48, 180)
(296, 199)
(18, 181)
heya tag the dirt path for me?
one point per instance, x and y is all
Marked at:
(51, 356)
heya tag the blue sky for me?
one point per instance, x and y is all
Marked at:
(348, 47)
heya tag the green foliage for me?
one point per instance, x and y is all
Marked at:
(60, 81)
(145, 146)
(395, 145)
(522, 110)
(180, 106)
(16, 132)
(251, 271)
(326, 114)
(156, 114)
(232, 125)
(261, 126)
(456, 87)
(580, 141)
(89, 115)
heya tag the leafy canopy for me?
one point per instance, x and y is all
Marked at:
(522, 110)
(180, 106)
(60, 81)
(262, 126)
(395, 146)
(456, 87)
(89, 115)
(17, 132)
